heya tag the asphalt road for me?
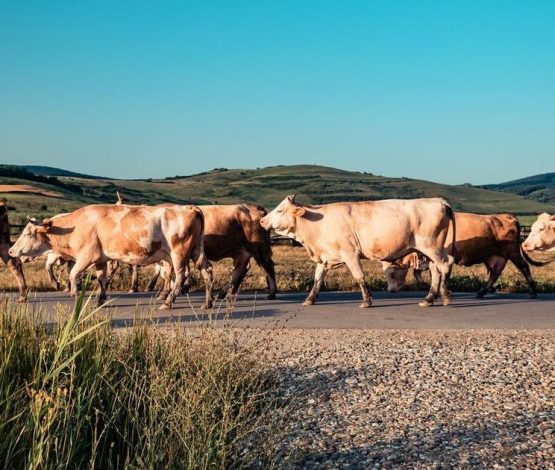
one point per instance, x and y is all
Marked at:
(334, 310)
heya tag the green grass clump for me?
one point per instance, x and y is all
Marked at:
(79, 394)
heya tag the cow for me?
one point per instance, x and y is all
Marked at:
(489, 239)
(346, 232)
(234, 231)
(12, 262)
(542, 234)
(96, 234)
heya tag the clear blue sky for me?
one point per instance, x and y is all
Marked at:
(450, 91)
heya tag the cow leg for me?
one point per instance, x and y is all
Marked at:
(354, 265)
(524, 269)
(240, 270)
(263, 257)
(420, 282)
(154, 278)
(134, 278)
(205, 268)
(16, 268)
(69, 267)
(102, 277)
(440, 269)
(49, 266)
(495, 266)
(78, 267)
(319, 275)
(166, 271)
(186, 281)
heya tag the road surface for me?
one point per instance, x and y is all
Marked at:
(334, 310)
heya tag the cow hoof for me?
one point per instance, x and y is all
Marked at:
(132, 291)
(160, 298)
(426, 303)
(365, 305)
(221, 295)
(308, 303)
(446, 301)
(165, 307)
(532, 295)
(271, 297)
(206, 306)
(479, 295)
(21, 300)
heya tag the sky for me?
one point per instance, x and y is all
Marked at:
(448, 91)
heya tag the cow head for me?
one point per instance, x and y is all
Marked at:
(396, 272)
(542, 234)
(33, 241)
(395, 275)
(283, 219)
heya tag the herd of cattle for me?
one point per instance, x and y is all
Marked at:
(422, 234)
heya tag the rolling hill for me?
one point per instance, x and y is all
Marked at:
(538, 187)
(266, 186)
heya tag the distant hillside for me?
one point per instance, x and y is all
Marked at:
(266, 186)
(539, 187)
(51, 171)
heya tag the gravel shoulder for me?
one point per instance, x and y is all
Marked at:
(414, 398)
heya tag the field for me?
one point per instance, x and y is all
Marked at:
(265, 186)
(295, 272)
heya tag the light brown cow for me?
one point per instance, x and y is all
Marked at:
(542, 234)
(234, 231)
(489, 239)
(346, 232)
(13, 263)
(96, 234)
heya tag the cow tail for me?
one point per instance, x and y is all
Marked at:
(451, 214)
(202, 256)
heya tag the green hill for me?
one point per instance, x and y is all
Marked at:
(265, 186)
(538, 187)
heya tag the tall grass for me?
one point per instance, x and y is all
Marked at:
(79, 394)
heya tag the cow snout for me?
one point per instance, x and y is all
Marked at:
(11, 252)
(264, 223)
(527, 246)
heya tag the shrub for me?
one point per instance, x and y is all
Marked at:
(79, 394)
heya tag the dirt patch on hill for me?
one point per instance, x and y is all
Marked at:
(25, 188)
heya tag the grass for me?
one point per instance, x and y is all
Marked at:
(78, 394)
(295, 272)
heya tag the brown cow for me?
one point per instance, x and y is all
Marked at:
(346, 232)
(234, 231)
(142, 235)
(13, 263)
(489, 239)
(542, 234)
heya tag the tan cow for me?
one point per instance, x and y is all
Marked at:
(542, 234)
(13, 263)
(96, 234)
(489, 239)
(346, 232)
(234, 231)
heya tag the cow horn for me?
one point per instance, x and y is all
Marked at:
(120, 199)
(33, 220)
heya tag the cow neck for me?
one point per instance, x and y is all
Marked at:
(59, 241)
(302, 227)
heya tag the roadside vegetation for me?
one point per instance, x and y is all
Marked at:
(78, 394)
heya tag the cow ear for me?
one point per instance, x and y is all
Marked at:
(299, 211)
(45, 226)
(291, 198)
